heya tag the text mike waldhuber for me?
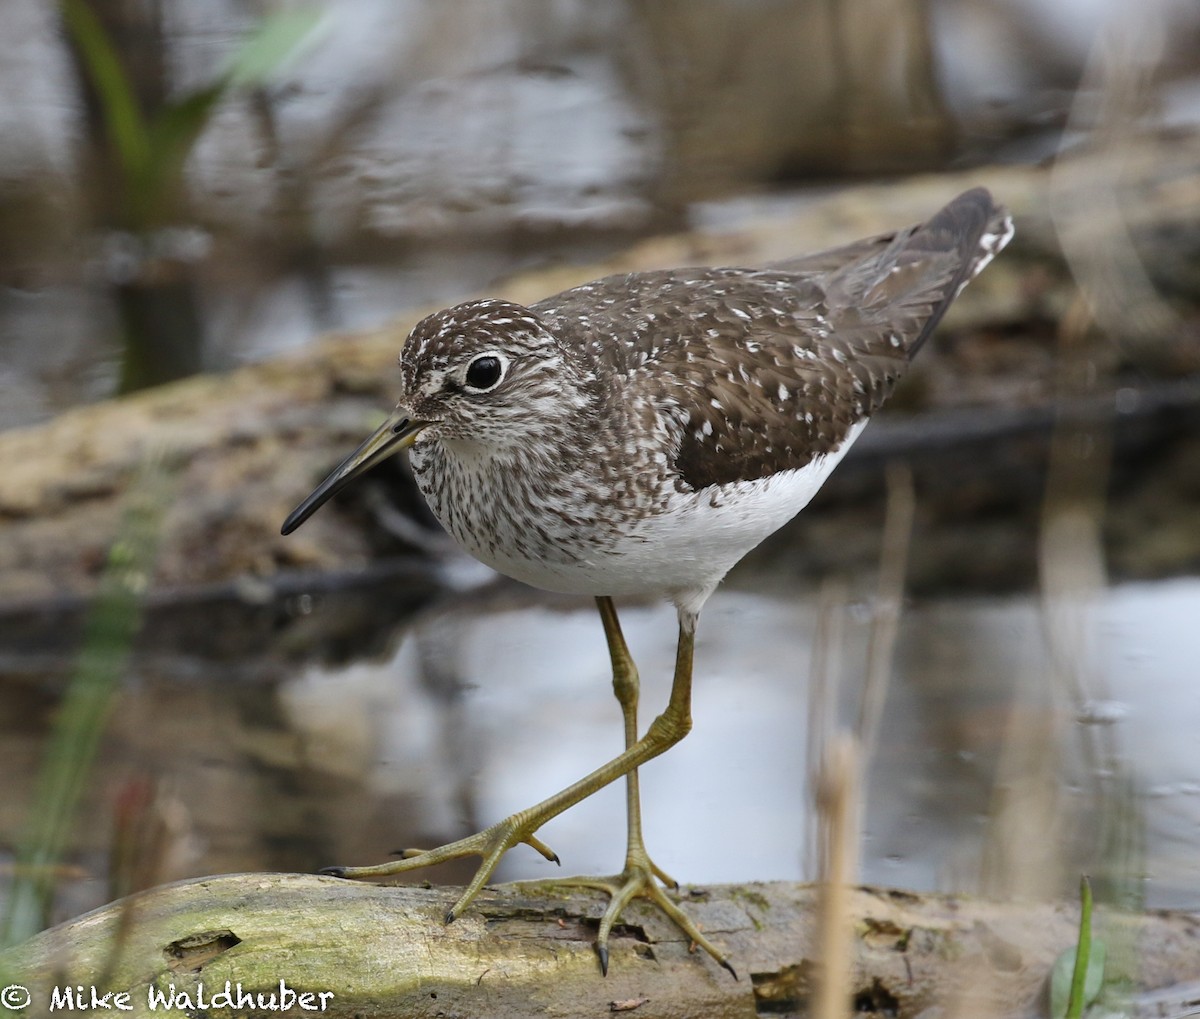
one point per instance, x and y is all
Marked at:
(199, 998)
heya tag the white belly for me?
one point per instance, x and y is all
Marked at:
(680, 553)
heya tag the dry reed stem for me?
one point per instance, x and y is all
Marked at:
(839, 800)
(838, 758)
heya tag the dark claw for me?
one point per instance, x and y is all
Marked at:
(732, 971)
(397, 852)
(602, 951)
(333, 871)
(556, 859)
(450, 918)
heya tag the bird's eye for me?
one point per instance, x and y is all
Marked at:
(484, 372)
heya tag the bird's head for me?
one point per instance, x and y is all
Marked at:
(485, 378)
(487, 374)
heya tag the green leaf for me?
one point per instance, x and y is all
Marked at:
(171, 137)
(277, 38)
(1061, 979)
(122, 115)
(151, 156)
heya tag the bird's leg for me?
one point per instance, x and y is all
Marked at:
(626, 687)
(638, 877)
(492, 843)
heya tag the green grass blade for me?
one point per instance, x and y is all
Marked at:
(1078, 974)
(122, 115)
(172, 135)
(112, 624)
(1083, 952)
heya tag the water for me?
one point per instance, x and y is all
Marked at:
(488, 704)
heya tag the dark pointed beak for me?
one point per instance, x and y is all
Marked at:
(398, 432)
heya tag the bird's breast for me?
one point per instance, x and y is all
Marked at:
(570, 531)
(545, 526)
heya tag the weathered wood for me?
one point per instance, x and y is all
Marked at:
(524, 951)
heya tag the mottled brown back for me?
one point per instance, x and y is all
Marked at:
(760, 370)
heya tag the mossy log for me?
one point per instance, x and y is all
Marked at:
(524, 950)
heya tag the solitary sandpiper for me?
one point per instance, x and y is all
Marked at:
(638, 436)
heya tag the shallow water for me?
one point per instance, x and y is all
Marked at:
(732, 801)
(484, 709)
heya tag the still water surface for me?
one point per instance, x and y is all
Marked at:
(991, 771)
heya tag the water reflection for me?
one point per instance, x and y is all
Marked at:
(479, 713)
(521, 706)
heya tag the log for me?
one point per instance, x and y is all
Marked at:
(526, 950)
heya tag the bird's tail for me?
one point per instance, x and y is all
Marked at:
(970, 231)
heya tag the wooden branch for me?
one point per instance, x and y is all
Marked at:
(525, 950)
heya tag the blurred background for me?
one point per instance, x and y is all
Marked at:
(196, 185)
(193, 188)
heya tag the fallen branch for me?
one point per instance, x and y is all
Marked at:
(521, 950)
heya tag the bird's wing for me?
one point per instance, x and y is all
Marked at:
(760, 371)
(775, 394)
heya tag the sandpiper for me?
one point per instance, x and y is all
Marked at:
(640, 434)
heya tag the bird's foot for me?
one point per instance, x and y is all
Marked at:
(641, 877)
(491, 844)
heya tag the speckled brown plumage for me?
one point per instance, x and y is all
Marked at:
(771, 367)
(642, 432)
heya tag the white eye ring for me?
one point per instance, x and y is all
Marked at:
(488, 369)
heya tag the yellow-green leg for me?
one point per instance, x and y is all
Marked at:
(626, 687)
(638, 877)
(492, 843)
